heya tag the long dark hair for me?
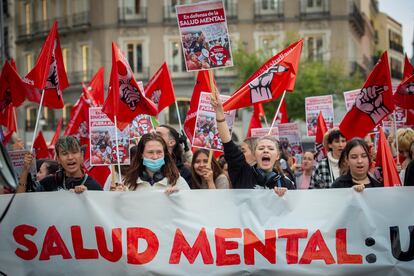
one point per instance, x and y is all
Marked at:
(137, 168)
(177, 152)
(215, 167)
(354, 143)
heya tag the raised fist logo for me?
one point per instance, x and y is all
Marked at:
(371, 102)
(52, 81)
(260, 87)
(128, 91)
(155, 98)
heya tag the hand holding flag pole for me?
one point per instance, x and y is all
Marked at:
(277, 112)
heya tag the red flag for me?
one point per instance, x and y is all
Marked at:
(255, 120)
(48, 73)
(125, 99)
(268, 83)
(202, 85)
(57, 134)
(404, 95)
(11, 86)
(160, 88)
(372, 104)
(78, 124)
(321, 129)
(7, 135)
(40, 146)
(95, 89)
(7, 118)
(408, 69)
(386, 162)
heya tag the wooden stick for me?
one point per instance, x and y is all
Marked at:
(394, 122)
(117, 151)
(210, 158)
(277, 112)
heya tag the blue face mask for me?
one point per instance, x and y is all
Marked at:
(154, 165)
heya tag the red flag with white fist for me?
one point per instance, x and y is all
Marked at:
(372, 104)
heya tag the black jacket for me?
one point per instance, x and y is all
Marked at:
(409, 174)
(345, 181)
(55, 183)
(243, 176)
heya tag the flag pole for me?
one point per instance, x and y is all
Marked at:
(394, 120)
(117, 151)
(15, 119)
(277, 112)
(178, 116)
(37, 120)
(264, 117)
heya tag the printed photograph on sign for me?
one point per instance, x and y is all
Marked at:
(205, 132)
(17, 160)
(289, 139)
(204, 35)
(141, 125)
(102, 140)
(313, 105)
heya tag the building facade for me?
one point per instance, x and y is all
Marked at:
(147, 32)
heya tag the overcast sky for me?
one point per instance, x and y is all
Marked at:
(403, 12)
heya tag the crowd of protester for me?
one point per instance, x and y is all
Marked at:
(163, 160)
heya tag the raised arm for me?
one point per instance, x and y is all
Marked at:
(27, 163)
(222, 126)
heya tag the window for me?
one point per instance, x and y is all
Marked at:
(314, 48)
(270, 6)
(135, 57)
(29, 62)
(396, 68)
(314, 6)
(269, 43)
(65, 56)
(175, 56)
(170, 7)
(31, 113)
(49, 118)
(27, 17)
(85, 61)
(66, 113)
(183, 106)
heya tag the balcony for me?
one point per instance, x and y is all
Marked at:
(314, 12)
(131, 16)
(396, 46)
(356, 20)
(170, 17)
(81, 20)
(396, 74)
(41, 27)
(268, 11)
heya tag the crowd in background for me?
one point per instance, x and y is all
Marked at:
(163, 160)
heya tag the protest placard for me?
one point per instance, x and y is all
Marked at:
(289, 138)
(260, 132)
(350, 97)
(142, 124)
(102, 140)
(206, 133)
(313, 105)
(17, 160)
(204, 36)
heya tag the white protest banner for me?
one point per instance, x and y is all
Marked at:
(350, 97)
(17, 160)
(289, 138)
(313, 105)
(309, 232)
(204, 36)
(260, 132)
(205, 131)
(102, 140)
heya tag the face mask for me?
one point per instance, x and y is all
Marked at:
(154, 165)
